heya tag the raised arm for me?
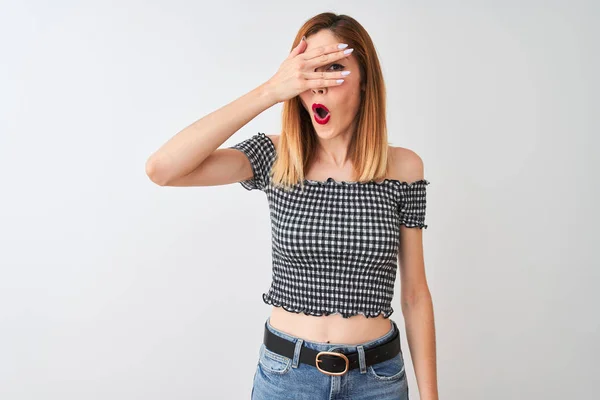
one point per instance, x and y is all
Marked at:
(183, 153)
(181, 161)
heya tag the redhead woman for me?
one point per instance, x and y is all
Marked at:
(347, 214)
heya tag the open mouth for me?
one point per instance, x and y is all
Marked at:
(321, 113)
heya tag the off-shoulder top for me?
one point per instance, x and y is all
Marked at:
(335, 243)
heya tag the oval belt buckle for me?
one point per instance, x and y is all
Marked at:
(333, 353)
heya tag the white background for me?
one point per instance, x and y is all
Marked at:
(112, 287)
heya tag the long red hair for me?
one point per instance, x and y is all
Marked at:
(368, 149)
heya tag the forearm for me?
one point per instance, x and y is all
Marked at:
(192, 145)
(420, 332)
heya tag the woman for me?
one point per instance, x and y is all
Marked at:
(346, 212)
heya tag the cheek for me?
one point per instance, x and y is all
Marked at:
(349, 96)
(349, 90)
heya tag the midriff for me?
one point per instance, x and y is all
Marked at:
(331, 328)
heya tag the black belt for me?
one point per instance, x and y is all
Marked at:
(332, 362)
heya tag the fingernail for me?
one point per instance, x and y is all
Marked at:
(344, 73)
(342, 46)
(348, 51)
(304, 38)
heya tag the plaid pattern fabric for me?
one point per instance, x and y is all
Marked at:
(335, 243)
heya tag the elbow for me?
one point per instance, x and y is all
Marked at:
(155, 170)
(415, 297)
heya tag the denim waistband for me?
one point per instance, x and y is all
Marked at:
(340, 347)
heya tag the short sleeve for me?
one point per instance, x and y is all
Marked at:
(413, 201)
(261, 153)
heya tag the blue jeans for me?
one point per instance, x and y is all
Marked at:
(278, 377)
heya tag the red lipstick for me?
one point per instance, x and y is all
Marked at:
(321, 113)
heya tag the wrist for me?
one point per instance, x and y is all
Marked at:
(266, 93)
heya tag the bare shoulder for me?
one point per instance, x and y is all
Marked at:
(274, 140)
(405, 165)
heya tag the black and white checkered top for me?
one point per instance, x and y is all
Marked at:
(334, 244)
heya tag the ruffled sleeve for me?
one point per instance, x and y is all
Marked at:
(260, 151)
(412, 204)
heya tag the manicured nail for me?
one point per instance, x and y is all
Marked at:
(346, 73)
(348, 51)
(340, 81)
(304, 38)
(342, 46)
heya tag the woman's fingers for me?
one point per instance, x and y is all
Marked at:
(319, 83)
(325, 75)
(300, 47)
(324, 55)
(327, 58)
(318, 51)
(297, 72)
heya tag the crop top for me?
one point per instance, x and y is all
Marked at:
(334, 244)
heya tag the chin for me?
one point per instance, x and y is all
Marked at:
(325, 132)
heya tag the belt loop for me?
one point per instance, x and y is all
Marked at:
(296, 359)
(361, 358)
